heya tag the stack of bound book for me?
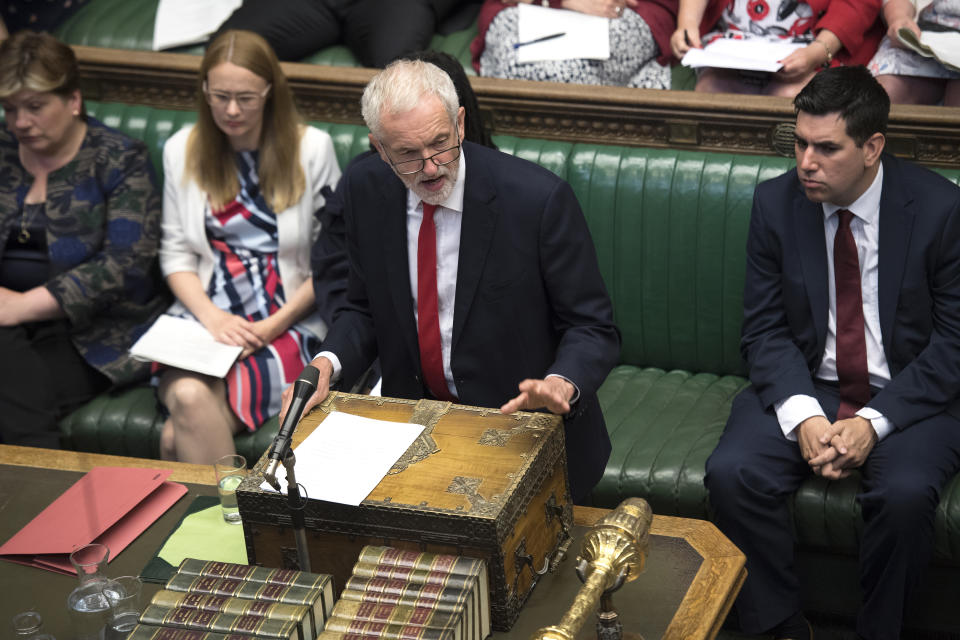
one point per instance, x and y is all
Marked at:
(409, 595)
(219, 600)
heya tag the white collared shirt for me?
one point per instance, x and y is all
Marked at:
(865, 227)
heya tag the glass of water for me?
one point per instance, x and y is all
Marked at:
(230, 470)
(123, 594)
(87, 604)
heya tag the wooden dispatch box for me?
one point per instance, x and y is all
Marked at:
(475, 483)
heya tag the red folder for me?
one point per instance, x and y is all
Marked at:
(109, 505)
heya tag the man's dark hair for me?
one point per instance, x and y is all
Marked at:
(853, 93)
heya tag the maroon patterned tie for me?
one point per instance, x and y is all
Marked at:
(428, 317)
(852, 372)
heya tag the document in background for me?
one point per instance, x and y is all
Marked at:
(749, 54)
(182, 22)
(942, 45)
(185, 344)
(584, 36)
(347, 456)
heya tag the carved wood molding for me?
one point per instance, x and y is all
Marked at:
(553, 111)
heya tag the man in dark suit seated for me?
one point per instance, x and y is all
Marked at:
(472, 273)
(851, 331)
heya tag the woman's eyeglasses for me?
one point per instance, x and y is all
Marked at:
(246, 101)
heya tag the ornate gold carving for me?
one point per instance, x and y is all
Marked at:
(328, 403)
(427, 413)
(469, 487)
(527, 422)
(494, 438)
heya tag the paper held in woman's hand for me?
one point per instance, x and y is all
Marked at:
(942, 45)
(748, 54)
(185, 344)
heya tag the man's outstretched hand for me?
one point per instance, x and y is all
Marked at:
(325, 367)
(554, 393)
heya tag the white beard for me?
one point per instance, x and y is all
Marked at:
(449, 171)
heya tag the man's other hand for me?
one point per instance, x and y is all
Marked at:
(814, 436)
(325, 367)
(554, 393)
(854, 442)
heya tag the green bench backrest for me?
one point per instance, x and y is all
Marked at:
(669, 227)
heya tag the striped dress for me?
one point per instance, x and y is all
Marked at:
(246, 282)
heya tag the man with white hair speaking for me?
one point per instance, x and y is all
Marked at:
(472, 273)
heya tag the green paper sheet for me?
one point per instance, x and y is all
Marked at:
(205, 535)
(202, 534)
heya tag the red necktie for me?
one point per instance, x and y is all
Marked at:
(428, 318)
(852, 372)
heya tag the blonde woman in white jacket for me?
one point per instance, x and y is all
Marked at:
(241, 190)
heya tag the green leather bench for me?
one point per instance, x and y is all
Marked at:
(670, 230)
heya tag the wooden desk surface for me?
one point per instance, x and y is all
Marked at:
(701, 612)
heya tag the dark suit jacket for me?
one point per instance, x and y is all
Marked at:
(530, 300)
(786, 294)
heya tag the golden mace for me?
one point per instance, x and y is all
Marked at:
(613, 551)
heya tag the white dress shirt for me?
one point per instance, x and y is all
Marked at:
(865, 227)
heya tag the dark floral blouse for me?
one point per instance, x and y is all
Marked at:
(103, 230)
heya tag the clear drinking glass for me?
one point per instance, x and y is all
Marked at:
(87, 605)
(27, 624)
(123, 595)
(230, 470)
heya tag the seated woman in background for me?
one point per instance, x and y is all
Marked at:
(241, 190)
(639, 44)
(845, 33)
(79, 230)
(907, 76)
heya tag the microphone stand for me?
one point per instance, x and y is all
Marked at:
(281, 451)
(296, 504)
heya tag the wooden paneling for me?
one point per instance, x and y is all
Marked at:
(572, 113)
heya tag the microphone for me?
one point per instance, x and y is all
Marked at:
(303, 388)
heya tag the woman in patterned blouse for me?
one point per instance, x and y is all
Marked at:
(79, 230)
(241, 191)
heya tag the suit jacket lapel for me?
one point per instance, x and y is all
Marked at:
(808, 225)
(477, 226)
(896, 224)
(393, 230)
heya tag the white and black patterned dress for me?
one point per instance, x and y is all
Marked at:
(632, 62)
